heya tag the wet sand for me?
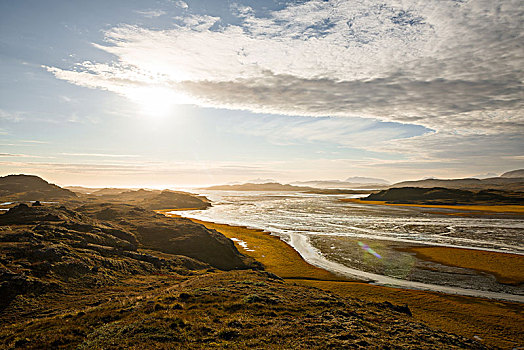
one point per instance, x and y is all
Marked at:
(496, 323)
(513, 209)
(507, 268)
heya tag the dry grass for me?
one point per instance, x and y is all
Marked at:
(515, 209)
(507, 268)
(235, 310)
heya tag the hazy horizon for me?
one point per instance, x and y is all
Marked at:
(194, 93)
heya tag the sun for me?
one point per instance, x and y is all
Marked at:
(156, 101)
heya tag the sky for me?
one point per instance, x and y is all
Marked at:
(179, 93)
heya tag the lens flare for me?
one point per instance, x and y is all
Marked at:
(369, 250)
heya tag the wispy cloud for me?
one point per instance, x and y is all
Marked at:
(348, 132)
(14, 155)
(11, 116)
(35, 141)
(101, 155)
(151, 13)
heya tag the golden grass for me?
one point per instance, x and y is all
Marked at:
(497, 323)
(507, 268)
(518, 209)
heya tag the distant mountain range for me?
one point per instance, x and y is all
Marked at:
(275, 186)
(334, 184)
(366, 180)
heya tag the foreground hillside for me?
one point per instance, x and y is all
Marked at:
(95, 275)
(241, 310)
(113, 276)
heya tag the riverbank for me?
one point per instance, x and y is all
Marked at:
(461, 209)
(497, 323)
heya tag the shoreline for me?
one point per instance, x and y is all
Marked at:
(461, 209)
(497, 322)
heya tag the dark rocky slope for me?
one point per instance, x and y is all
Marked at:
(30, 188)
(171, 235)
(45, 248)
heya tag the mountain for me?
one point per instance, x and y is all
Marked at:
(366, 180)
(31, 188)
(514, 174)
(438, 195)
(508, 182)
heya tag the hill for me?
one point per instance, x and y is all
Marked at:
(30, 188)
(499, 183)
(439, 195)
(150, 199)
(514, 174)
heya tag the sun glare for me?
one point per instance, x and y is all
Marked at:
(156, 101)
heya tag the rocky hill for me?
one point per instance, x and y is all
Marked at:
(148, 199)
(513, 174)
(31, 188)
(439, 195)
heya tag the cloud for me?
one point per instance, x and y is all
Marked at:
(347, 132)
(2, 155)
(101, 155)
(447, 65)
(35, 141)
(181, 4)
(151, 13)
(11, 116)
